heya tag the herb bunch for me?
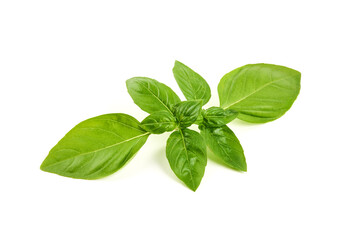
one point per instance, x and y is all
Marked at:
(100, 146)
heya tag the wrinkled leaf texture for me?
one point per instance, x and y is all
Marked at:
(187, 112)
(151, 95)
(159, 122)
(225, 145)
(216, 116)
(186, 153)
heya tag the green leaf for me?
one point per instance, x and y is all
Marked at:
(96, 147)
(151, 95)
(259, 92)
(216, 116)
(186, 152)
(159, 122)
(225, 146)
(193, 86)
(199, 119)
(187, 112)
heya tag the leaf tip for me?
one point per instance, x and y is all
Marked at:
(128, 82)
(177, 62)
(193, 187)
(241, 168)
(43, 166)
(198, 101)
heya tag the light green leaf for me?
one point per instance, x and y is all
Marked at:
(96, 147)
(187, 112)
(193, 86)
(259, 92)
(159, 122)
(216, 116)
(186, 152)
(151, 95)
(225, 146)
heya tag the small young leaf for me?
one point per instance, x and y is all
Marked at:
(187, 112)
(159, 122)
(186, 152)
(96, 147)
(216, 116)
(259, 92)
(193, 86)
(199, 119)
(151, 95)
(225, 145)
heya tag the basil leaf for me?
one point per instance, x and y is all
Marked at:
(159, 122)
(216, 116)
(259, 92)
(151, 95)
(193, 86)
(96, 147)
(225, 146)
(199, 119)
(186, 152)
(187, 112)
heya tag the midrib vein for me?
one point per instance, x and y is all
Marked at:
(158, 99)
(187, 156)
(113, 145)
(236, 102)
(155, 123)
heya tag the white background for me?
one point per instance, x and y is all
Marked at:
(62, 62)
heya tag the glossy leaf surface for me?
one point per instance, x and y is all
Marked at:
(159, 122)
(186, 153)
(187, 112)
(96, 147)
(259, 92)
(216, 116)
(193, 86)
(225, 146)
(151, 95)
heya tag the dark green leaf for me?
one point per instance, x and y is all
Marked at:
(187, 112)
(186, 152)
(216, 116)
(96, 147)
(151, 95)
(193, 86)
(159, 122)
(225, 146)
(259, 92)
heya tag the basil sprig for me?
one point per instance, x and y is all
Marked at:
(100, 146)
